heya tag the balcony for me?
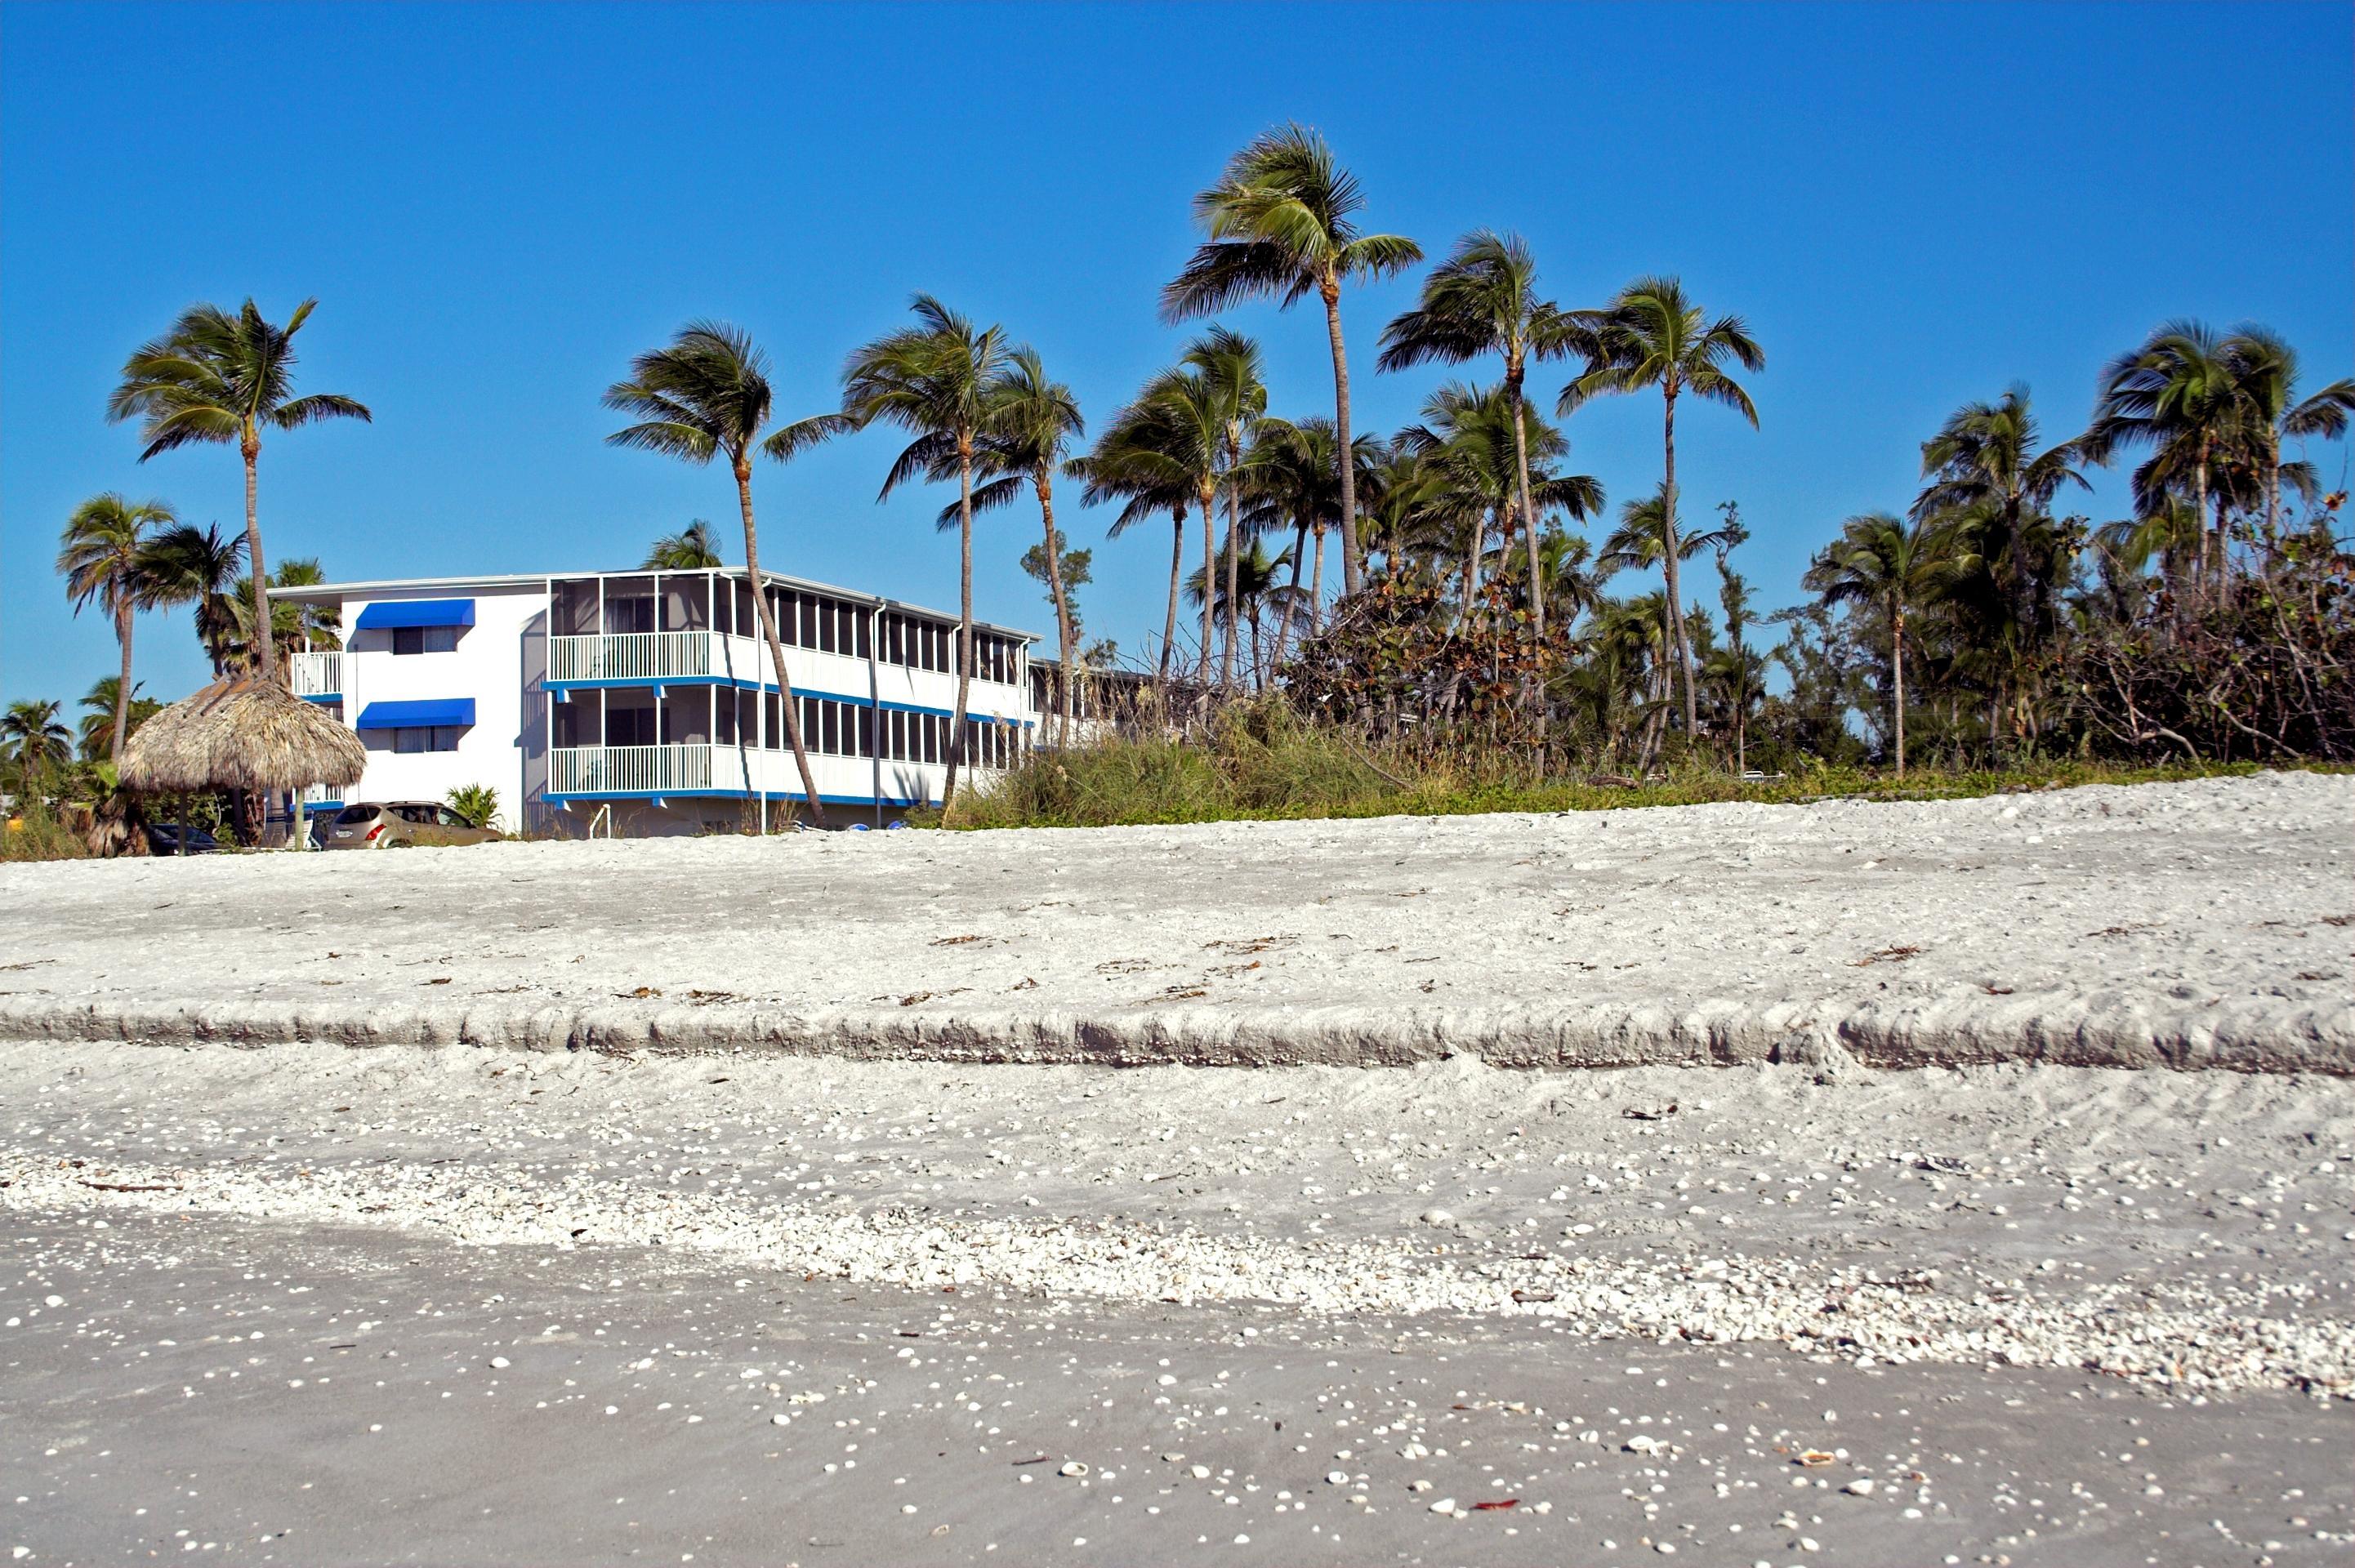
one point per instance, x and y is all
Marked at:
(649, 657)
(641, 769)
(317, 676)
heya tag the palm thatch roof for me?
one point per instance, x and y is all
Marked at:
(242, 734)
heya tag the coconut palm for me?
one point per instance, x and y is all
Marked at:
(32, 738)
(1028, 422)
(203, 568)
(1184, 412)
(222, 378)
(1739, 669)
(1281, 224)
(2180, 394)
(934, 380)
(1255, 581)
(1653, 334)
(1481, 301)
(1896, 567)
(1295, 484)
(1983, 473)
(1640, 542)
(103, 554)
(1230, 363)
(1471, 442)
(102, 706)
(2267, 369)
(295, 627)
(1139, 460)
(693, 548)
(705, 396)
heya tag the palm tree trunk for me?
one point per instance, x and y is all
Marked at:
(124, 611)
(2273, 498)
(263, 654)
(1042, 480)
(1207, 496)
(1528, 515)
(965, 621)
(1897, 671)
(1227, 658)
(1316, 588)
(1352, 564)
(1292, 599)
(1177, 575)
(1683, 648)
(1476, 527)
(792, 724)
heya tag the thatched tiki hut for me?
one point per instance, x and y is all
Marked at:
(245, 734)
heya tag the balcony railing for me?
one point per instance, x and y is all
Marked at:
(318, 674)
(630, 769)
(653, 656)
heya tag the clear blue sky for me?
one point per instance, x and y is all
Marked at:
(496, 206)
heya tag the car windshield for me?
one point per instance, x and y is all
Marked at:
(357, 813)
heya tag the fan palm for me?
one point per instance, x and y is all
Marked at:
(222, 378)
(1652, 335)
(934, 381)
(1140, 461)
(204, 568)
(1281, 224)
(1895, 566)
(1028, 422)
(693, 548)
(704, 395)
(1482, 300)
(103, 554)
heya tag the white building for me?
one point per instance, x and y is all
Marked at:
(646, 702)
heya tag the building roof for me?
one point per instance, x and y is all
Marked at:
(306, 593)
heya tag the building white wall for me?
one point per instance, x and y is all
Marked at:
(488, 664)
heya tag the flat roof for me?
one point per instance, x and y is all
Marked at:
(312, 591)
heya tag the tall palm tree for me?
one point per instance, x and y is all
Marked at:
(1253, 584)
(1281, 224)
(31, 738)
(1186, 409)
(103, 554)
(1296, 484)
(693, 548)
(222, 378)
(1230, 362)
(2266, 368)
(934, 380)
(1896, 567)
(705, 396)
(1472, 441)
(1652, 335)
(1740, 668)
(204, 568)
(1140, 461)
(1643, 540)
(2180, 395)
(1029, 421)
(1482, 300)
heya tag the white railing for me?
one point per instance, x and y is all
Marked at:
(651, 656)
(318, 674)
(628, 769)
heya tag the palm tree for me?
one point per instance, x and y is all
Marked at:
(2267, 367)
(1028, 422)
(33, 739)
(693, 548)
(1295, 484)
(706, 396)
(1982, 472)
(934, 380)
(1651, 334)
(106, 711)
(1471, 443)
(1740, 667)
(103, 554)
(1895, 566)
(1185, 409)
(1281, 223)
(1230, 363)
(1482, 300)
(2180, 393)
(1139, 460)
(222, 378)
(1252, 583)
(200, 567)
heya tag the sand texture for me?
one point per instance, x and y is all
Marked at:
(2190, 925)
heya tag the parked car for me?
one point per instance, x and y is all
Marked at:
(398, 824)
(180, 838)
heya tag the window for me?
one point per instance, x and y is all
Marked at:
(441, 738)
(424, 639)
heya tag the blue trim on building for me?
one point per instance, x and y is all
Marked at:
(324, 698)
(823, 799)
(645, 682)
(388, 614)
(429, 712)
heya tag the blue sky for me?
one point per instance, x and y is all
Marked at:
(498, 206)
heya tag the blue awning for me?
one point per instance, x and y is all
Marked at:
(386, 614)
(433, 712)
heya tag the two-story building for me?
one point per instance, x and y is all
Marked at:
(647, 703)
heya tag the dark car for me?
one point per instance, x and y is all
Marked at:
(180, 838)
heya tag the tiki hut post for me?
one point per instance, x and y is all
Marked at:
(244, 732)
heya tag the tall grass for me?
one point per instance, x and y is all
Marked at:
(1261, 762)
